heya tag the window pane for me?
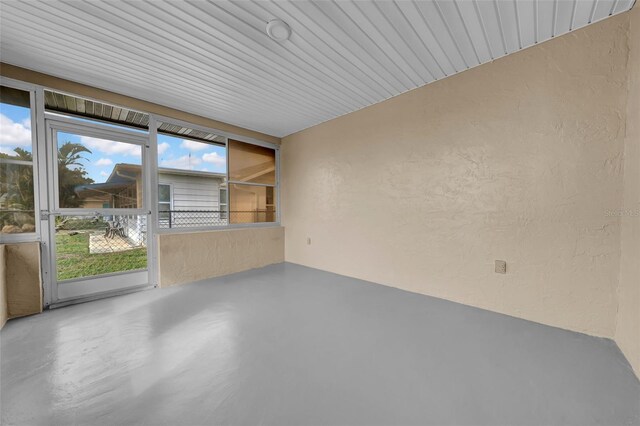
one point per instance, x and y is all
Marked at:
(164, 193)
(251, 163)
(17, 213)
(15, 122)
(251, 204)
(98, 173)
(187, 154)
(196, 170)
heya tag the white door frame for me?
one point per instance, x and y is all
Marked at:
(101, 285)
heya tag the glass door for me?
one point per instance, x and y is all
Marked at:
(99, 209)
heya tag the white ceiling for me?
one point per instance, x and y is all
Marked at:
(215, 59)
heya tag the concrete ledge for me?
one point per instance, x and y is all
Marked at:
(193, 256)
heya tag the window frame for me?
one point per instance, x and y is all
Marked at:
(155, 121)
(56, 123)
(275, 186)
(39, 163)
(34, 107)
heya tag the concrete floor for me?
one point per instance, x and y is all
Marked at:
(289, 345)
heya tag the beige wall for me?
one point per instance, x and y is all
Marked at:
(11, 71)
(627, 333)
(20, 280)
(24, 283)
(188, 257)
(518, 160)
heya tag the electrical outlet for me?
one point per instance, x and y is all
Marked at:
(308, 241)
(501, 267)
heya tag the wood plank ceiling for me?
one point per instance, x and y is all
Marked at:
(213, 58)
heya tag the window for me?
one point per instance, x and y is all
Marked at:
(164, 205)
(252, 183)
(213, 181)
(17, 200)
(223, 203)
(98, 173)
(195, 165)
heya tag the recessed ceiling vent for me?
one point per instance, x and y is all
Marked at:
(278, 30)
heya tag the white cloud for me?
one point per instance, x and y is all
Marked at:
(104, 162)
(214, 158)
(185, 162)
(13, 133)
(163, 147)
(193, 145)
(103, 173)
(110, 147)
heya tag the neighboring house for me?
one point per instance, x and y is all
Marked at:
(189, 198)
(186, 198)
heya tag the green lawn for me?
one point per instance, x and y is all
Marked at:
(74, 260)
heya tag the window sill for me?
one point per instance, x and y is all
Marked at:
(219, 228)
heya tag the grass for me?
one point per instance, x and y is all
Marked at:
(75, 261)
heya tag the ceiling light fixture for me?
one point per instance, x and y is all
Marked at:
(278, 30)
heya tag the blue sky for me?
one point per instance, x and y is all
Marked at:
(173, 152)
(15, 128)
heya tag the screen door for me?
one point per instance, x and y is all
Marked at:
(99, 213)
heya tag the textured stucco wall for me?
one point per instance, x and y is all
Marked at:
(187, 257)
(23, 280)
(628, 321)
(515, 160)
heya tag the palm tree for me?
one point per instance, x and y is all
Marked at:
(71, 173)
(20, 154)
(16, 181)
(16, 190)
(69, 154)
